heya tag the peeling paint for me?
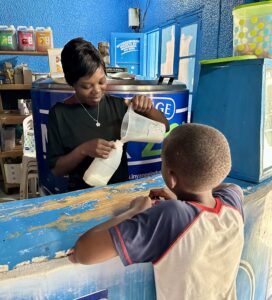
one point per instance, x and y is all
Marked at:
(4, 268)
(60, 254)
(21, 264)
(45, 226)
(39, 259)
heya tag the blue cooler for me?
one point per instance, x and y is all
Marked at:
(234, 96)
(143, 158)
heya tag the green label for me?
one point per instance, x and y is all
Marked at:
(5, 39)
(148, 149)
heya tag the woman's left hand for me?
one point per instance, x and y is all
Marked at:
(141, 103)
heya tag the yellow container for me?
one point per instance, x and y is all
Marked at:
(44, 39)
(252, 29)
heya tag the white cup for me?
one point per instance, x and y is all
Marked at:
(138, 128)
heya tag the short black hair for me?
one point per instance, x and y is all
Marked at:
(80, 58)
(199, 154)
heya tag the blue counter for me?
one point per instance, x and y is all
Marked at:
(35, 234)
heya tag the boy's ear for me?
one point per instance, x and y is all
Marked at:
(172, 179)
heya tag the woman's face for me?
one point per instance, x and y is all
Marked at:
(90, 89)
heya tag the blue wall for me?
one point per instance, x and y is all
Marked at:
(91, 19)
(216, 21)
(95, 20)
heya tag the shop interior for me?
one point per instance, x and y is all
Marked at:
(205, 62)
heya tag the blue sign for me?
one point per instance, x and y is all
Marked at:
(127, 50)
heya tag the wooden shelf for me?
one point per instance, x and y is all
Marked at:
(5, 87)
(23, 53)
(11, 117)
(16, 152)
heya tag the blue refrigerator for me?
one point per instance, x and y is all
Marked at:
(235, 96)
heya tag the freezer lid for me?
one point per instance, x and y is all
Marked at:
(131, 85)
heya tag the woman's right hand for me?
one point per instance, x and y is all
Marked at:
(97, 148)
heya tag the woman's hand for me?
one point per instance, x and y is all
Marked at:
(144, 106)
(163, 193)
(97, 148)
(141, 103)
(140, 204)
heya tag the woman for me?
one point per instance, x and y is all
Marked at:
(86, 125)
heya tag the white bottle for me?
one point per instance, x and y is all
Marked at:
(101, 170)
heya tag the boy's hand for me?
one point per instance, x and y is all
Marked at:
(140, 204)
(71, 256)
(164, 193)
(141, 103)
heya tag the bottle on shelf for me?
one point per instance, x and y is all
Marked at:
(26, 38)
(8, 40)
(44, 38)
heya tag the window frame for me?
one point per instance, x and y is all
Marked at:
(179, 22)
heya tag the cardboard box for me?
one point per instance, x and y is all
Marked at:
(27, 74)
(8, 138)
(13, 173)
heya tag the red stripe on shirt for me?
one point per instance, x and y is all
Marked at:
(216, 209)
(129, 260)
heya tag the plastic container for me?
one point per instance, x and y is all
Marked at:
(8, 40)
(44, 38)
(101, 170)
(138, 128)
(26, 38)
(22, 107)
(252, 29)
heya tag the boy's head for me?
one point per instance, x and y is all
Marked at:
(80, 58)
(197, 157)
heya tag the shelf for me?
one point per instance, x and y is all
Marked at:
(23, 53)
(16, 152)
(5, 87)
(11, 117)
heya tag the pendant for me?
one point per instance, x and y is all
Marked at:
(97, 124)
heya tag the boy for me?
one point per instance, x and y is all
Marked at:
(195, 242)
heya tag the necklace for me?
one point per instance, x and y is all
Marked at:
(96, 120)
